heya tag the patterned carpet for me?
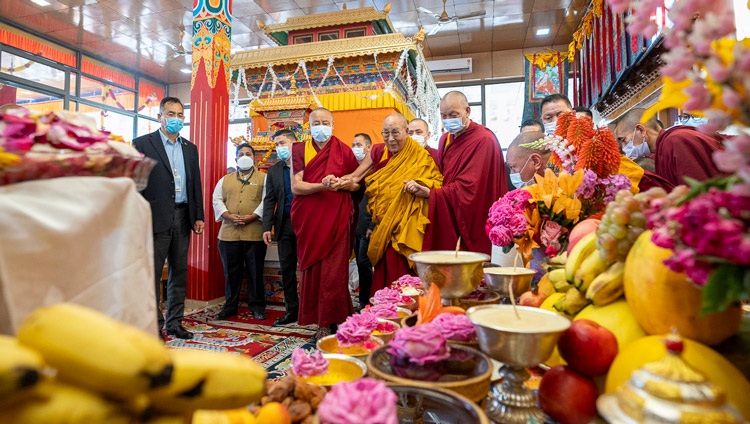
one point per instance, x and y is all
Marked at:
(271, 346)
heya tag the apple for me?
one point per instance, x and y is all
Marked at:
(588, 347)
(567, 397)
(581, 229)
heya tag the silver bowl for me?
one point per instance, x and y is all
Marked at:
(343, 367)
(455, 274)
(504, 340)
(498, 279)
(434, 405)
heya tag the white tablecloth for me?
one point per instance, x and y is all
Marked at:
(85, 240)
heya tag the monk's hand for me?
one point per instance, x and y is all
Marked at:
(345, 183)
(328, 181)
(418, 190)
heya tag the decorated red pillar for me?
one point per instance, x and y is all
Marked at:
(209, 123)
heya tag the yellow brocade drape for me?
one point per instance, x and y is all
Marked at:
(631, 170)
(400, 218)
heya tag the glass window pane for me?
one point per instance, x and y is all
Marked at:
(146, 126)
(504, 110)
(149, 96)
(116, 123)
(36, 102)
(31, 70)
(106, 72)
(473, 93)
(101, 92)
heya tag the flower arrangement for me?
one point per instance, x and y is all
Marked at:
(308, 365)
(456, 327)
(61, 144)
(421, 344)
(543, 214)
(391, 295)
(364, 401)
(706, 73)
(383, 310)
(356, 330)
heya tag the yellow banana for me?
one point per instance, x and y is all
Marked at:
(592, 266)
(557, 275)
(571, 303)
(20, 368)
(580, 252)
(559, 260)
(95, 352)
(210, 380)
(58, 403)
(607, 286)
(563, 286)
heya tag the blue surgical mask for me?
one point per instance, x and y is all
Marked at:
(549, 128)
(283, 153)
(321, 133)
(174, 125)
(516, 180)
(359, 152)
(453, 125)
(636, 152)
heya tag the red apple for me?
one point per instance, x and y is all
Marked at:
(581, 229)
(588, 347)
(567, 397)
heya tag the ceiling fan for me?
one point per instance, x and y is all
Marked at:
(444, 19)
(179, 49)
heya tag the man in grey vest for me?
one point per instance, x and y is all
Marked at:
(238, 205)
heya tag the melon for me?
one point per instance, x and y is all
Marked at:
(702, 358)
(662, 299)
(617, 318)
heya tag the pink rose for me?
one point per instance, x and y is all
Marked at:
(409, 280)
(455, 327)
(423, 344)
(518, 224)
(551, 232)
(364, 401)
(501, 236)
(383, 310)
(356, 330)
(305, 365)
(387, 295)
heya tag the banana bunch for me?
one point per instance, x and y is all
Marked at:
(571, 303)
(95, 352)
(607, 286)
(581, 251)
(557, 278)
(209, 380)
(20, 369)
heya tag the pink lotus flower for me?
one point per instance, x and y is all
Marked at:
(356, 330)
(383, 310)
(308, 365)
(364, 401)
(387, 295)
(423, 344)
(409, 280)
(455, 327)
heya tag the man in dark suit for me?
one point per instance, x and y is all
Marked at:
(276, 215)
(174, 192)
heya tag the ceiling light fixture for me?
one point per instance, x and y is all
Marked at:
(40, 2)
(542, 31)
(186, 70)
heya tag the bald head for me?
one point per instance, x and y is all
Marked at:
(321, 113)
(629, 128)
(455, 111)
(456, 97)
(526, 161)
(419, 131)
(397, 118)
(395, 132)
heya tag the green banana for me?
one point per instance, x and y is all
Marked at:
(559, 260)
(95, 352)
(209, 380)
(592, 266)
(607, 286)
(581, 250)
(58, 403)
(563, 286)
(20, 369)
(571, 303)
(557, 275)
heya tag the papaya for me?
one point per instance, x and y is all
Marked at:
(662, 299)
(617, 318)
(702, 358)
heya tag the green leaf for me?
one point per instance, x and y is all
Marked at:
(725, 286)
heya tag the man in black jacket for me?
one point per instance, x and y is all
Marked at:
(276, 207)
(174, 193)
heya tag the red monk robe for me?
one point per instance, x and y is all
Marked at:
(399, 212)
(683, 151)
(323, 225)
(473, 178)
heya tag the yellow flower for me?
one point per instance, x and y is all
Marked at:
(672, 96)
(558, 193)
(8, 158)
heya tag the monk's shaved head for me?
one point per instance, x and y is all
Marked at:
(322, 113)
(397, 119)
(526, 161)
(631, 118)
(456, 97)
(525, 138)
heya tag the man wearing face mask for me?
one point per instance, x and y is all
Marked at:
(470, 159)
(238, 205)
(323, 220)
(523, 162)
(361, 146)
(552, 106)
(679, 152)
(419, 131)
(174, 193)
(277, 207)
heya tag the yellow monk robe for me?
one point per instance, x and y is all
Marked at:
(400, 218)
(632, 170)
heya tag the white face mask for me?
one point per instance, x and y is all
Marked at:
(549, 127)
(419, 139)
(321, 133)
(515, 177)
(359, 152)
(636, 152)
(245, 163)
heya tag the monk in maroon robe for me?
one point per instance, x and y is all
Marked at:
(471, 162)
(322, 218)
(419, 131)
(680, 151)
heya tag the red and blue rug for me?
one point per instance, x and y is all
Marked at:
(270, 345)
